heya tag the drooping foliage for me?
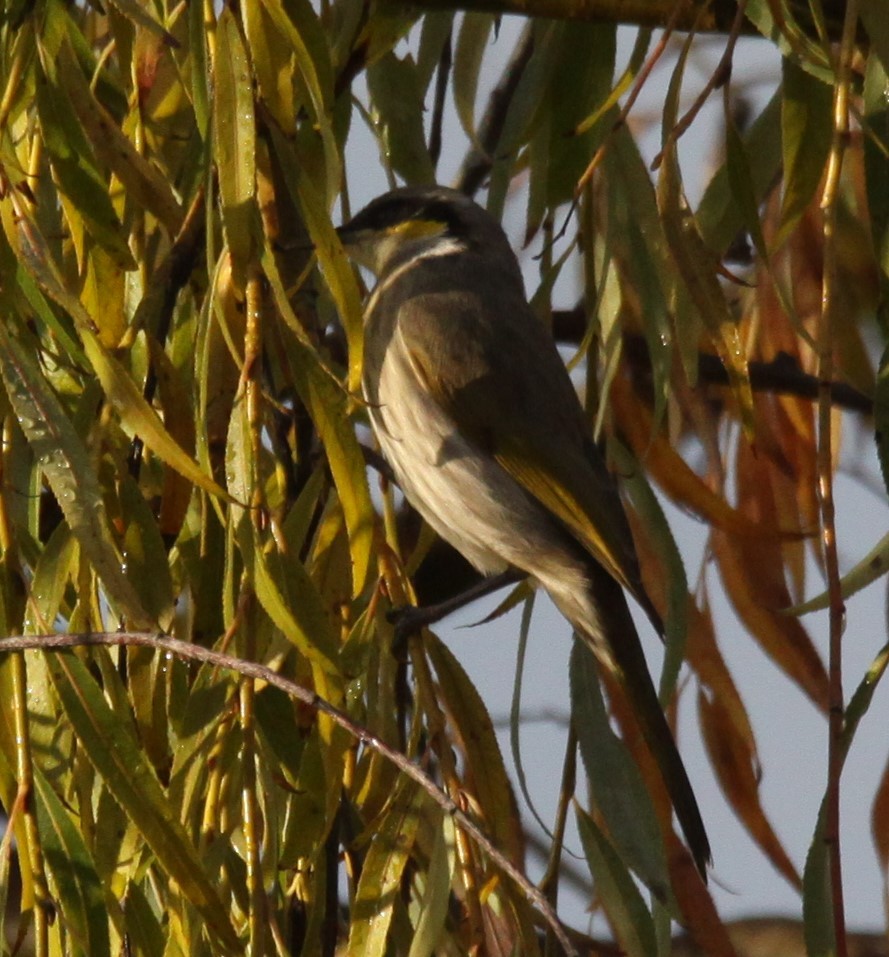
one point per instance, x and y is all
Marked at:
(184, 451)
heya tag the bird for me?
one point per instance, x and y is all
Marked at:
(476, 414)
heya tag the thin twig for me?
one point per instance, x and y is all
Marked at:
(641, 79)
(719, 77)
(549, 883)
(782, 375)
(829, 307)
(442, 76)
(250, 669)
(477, 163)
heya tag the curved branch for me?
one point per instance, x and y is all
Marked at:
(251, 669)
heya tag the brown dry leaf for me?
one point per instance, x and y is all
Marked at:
(758, 596)
(786, 454)
(796, 501)
(879, 820)
(668, 469)
(701, 919)
(753, 573)
(737, 769)
(706, 659)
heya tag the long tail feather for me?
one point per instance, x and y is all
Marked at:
(611, 632)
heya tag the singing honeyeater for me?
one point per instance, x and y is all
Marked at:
(476, 414)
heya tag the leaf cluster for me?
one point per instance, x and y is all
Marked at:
(180, 355)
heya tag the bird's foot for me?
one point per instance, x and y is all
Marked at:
(408, 620)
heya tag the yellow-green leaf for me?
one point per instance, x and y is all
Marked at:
(327, 404)
(234, 126)
(144, 554)
(492, 787)
(141, 419)
(382, 872)
(436, 894)
(273, 64)
(68, 467)
(874, 565)
(84, 910)
(319, 93)
(148, 188)
(398, 107)
(806, 131)
(108, 742)
(80, 181)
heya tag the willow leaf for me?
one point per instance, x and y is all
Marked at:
(620, 897)
(67, 465)
(234, 126)
(109, 744)
(616, 784)
(697, 265)
(84, 910)
(141, 419)
(382, 873)
(144, 182)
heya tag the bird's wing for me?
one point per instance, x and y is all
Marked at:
(528, 418)
(580, 494)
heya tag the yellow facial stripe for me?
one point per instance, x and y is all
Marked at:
(417, 228)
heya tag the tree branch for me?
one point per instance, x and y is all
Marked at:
(782, 375)
(702, 16)
(251, 669)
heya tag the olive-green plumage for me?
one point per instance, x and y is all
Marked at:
(478, 418)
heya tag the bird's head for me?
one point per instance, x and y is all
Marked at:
(411, 222)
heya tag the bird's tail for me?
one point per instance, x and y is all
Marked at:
(605, 623)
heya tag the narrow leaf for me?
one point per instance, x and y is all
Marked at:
(874, 565)
(658, 533)
(82, 185)
(73, 873)
(758, 592)
(299, 24)
(806, 129)
(234, 128)
(144, 554)
(382, 872)
(721, 213)
(616, 784)
(468, 56)
(141, 15)
(436, 894)
(148, 188)
(817, 899)
(109, 744)
(398, 107)
(141, 419)
(737, 768)
(697, 267)
(483, 756)
(272, 60)
(68, 467)
(623, 904)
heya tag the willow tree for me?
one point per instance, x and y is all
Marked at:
(223, 742)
